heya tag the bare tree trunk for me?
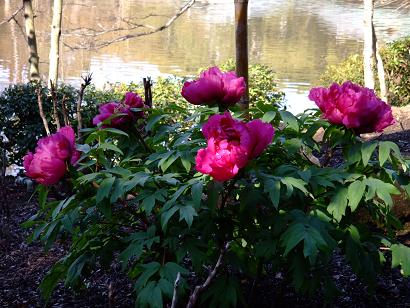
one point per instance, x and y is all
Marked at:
(368, 54)
(241, 39)
(31, 40)
(380, 67)
(55, 42)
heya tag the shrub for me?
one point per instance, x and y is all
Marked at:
(396, 60)
(23, 126)
(137, 199)
(20, 120)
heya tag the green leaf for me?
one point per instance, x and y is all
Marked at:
(150, 295)
(382, 189)
(273, 188)
(110, 146)
(51, 280)
(355, 193)
(165, 163)
(290, 120)
(298, 183)
(149, 270)
(134, 250)
(367, 151)
(42, 196)
(384, 151)
(187, 213)
(170, 270)
(75, 269)
(311, 236)
(104, 189)
(196, 192)
(165, 217)
(185, 160)
(61, 205)
(269, 116)
(154, 120)
(116, 131)
(338, 204)
(401, 257)
(148, 204)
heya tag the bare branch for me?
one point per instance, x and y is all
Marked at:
(198, 289)
(175, 295)
(53, 89)
(12, 17)
(125, 37)
(40, 109)
(64, 111)
(87, 81)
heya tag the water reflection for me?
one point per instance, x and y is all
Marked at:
(297, 38)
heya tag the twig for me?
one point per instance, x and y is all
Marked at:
(12, 16)
(64, 111)
(55, 103)
(40, 109)
(198, 289)
(87, 81)
(122, 38)
(111, 297)
(147, 91)
(175, 295)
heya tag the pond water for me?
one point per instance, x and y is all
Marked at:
(297, 38)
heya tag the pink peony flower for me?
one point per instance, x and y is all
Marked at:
(221, 159)
(49, 162)
(353, 106)
(120, 113)
(214, 87)
(231, 144)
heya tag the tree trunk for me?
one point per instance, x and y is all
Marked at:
(380, 67)
(55, 42)
(368, 54)
(31, 40)
(241, 39)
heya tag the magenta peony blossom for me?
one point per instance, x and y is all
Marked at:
(353, 106)
(231, 144)
(49, 162)
(120, 113)
(214, 87)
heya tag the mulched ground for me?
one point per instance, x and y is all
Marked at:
(23, 265)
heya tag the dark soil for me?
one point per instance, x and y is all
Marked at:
(23, 265)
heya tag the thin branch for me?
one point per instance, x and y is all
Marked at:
(175, 295)
(122, 38)
(64, 111)
(12, 17)
(198, 289)
(41, 111)
(55, 103)
(87, 81)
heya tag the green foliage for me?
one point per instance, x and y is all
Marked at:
(20, 119)
(262, 84)
(21, 122)
(350, 69)
(149, 210)
(397, 65)
(396, 60)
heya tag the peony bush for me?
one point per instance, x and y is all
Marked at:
(192, 209)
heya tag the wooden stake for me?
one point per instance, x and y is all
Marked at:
(241, 39)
